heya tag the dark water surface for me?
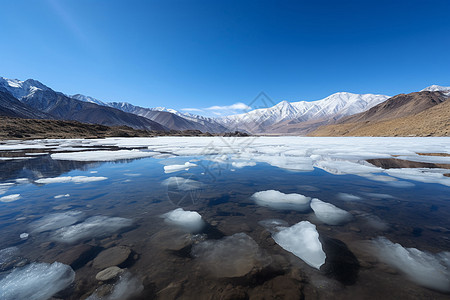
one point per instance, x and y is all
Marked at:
(161, 263)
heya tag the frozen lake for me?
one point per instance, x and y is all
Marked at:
(225, 218)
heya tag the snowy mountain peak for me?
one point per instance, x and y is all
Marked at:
(88, 99)
(20, 89)
(436, 88)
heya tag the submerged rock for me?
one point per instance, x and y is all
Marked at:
(112, 257)
(109, 273)
(232, 256)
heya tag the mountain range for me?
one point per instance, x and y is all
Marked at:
(32, 99)
(423, 113)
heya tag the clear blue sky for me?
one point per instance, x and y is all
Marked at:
(202, 53)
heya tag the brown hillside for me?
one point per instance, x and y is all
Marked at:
(397, 107)
(434, 121)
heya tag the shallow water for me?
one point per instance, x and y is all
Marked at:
(164, 259)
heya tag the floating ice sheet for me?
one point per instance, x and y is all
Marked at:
(10, 198)
(62, 196)
(102, 155)
(176, 168)
(56, 221)
(181, 183)
(349, 197)
(37, 281)
(422, 175)
(191, 221)
(92, 227)
(426, 269)
(279, 200)
(74, 179)
(302, 240)
(328, 213)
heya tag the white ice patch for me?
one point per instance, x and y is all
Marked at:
(242, 164)
(181, 183)
(328, 213)
(10, 198)
(7, 254)
(379, 196)
(4, 187)
(232, 256)
(302, 239)
(349, 197)
(191, 221)
(62, 196)
(176, 168)
(422, 175)
(342, 167)
(92, 227)
(56, 221)
(279, 200)
(102, 155)
(37, 281)
(15, 158)
(426, 269)
(74, 179)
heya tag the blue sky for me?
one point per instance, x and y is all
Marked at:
(198, 54)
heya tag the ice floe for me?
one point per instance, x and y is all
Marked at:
(74, 179)
(191, 221)
(182, 184)
(176, 168)
(8, 254)
(96, 226)
(56, 221)
(10, 198)
(279, 200)
(302, 240)
(61, 196)
(36, 281)
(242, 164)
(126, 287)
(328, 213)
(231, 256)
(426, 269)
(422, 175)
(102, 155)
(349, 197)
(5, 186)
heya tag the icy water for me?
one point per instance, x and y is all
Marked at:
(224, 218)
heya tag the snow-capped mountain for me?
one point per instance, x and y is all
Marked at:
(437, 88)
(333, 107)
(171, 118)
(57, 105)
(88, 99)
(20, 89)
